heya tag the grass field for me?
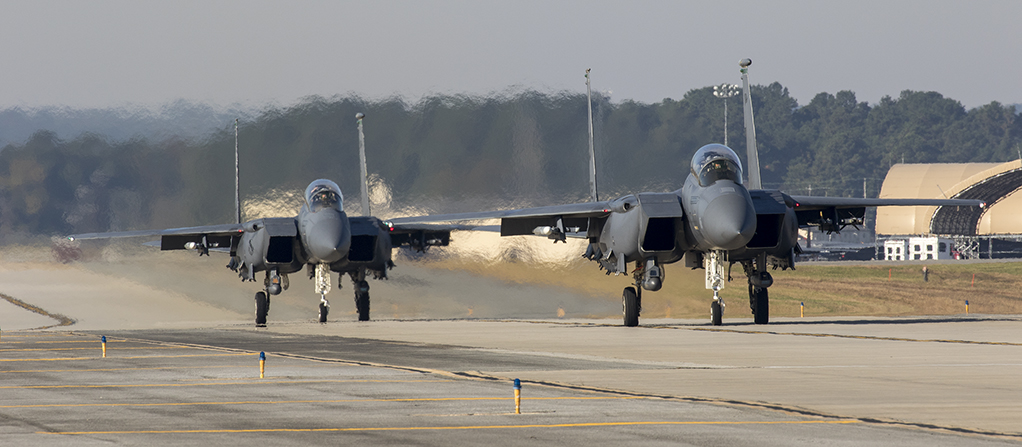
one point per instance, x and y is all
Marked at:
(826, 290)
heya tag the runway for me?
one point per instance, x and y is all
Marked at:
(192, 376)
(423, 383)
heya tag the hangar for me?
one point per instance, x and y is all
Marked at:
(973, 230)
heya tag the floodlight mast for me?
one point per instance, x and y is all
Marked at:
(362, 164)
(237, 177)
(592, 152)
(726, 91)
(755, 182)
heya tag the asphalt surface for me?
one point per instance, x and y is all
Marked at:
(203, 386)
(182, 367)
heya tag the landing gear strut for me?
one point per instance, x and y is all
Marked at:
(322, 274)
(714, 265)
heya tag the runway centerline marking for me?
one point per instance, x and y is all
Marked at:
(156, 368)
(88, 349)
(331, 401)
(126, 357)
(254, 381)
(460, 427)
(854, 337)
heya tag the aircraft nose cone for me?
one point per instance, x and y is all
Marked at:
(729, 222)
(328, 237)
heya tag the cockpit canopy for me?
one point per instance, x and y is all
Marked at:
(322, 194)
(716, 162)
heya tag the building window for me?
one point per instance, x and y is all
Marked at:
(929, 256)
(917, 248)
(929, 247)
(918, 256)
(890, 250)
(942, 246)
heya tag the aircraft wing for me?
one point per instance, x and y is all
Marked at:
(833, 213)
(571, 218)
(819, 203)
(585, 209)
(215, 236)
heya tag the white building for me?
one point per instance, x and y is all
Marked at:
(895, 249)
(918, 248)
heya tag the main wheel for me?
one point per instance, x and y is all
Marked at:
(630, 307)
(262, 304)
(362, 305)
(761, 301)
(324, 309)
(716, 313)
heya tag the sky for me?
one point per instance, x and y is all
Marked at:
(108, 53)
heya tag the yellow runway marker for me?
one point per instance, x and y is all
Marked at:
(460, 427)
(161, 385)
(333, 401)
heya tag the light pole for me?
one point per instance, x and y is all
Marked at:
(726, 91)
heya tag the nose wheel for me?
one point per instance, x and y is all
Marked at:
(717, 310)
(324, 308)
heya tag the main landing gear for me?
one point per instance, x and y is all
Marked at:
(274, 283)
(759, 280)
(361, 294)
(647, 275)
(631, 304)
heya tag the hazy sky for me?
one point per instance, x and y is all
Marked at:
(113, 53)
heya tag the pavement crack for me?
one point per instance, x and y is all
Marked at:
(62, 320)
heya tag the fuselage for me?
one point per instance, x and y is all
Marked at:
(713, 211)
(323, 225)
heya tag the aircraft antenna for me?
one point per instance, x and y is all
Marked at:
(592, 151)
(362, 163)
(750, 129)
(237, 177)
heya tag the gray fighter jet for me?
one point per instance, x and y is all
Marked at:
(322, 238)
(712, 222)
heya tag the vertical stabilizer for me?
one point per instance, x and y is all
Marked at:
(237, 177)
(592, 151)
(755, 182)
(362, 164)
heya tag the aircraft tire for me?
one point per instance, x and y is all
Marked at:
(362, 304)
(630, 307)
(761, 313)
(323, 311)
(716, 313)
(262, 304)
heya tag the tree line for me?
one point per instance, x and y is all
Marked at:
(455, 153)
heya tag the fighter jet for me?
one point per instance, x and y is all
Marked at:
(712, 222)
(322, 239)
